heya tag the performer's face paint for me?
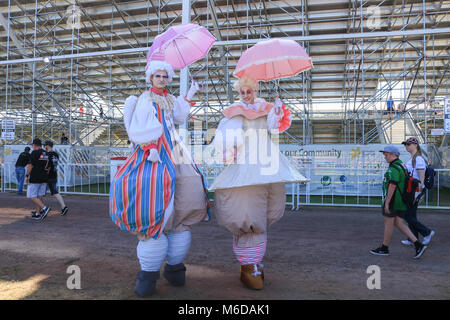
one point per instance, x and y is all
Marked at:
(247, 95)
(159, 79)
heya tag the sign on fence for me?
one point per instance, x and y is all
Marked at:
(342, 169)
(437, 132)
(8, 129)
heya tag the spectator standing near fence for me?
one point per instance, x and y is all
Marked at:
(394, 208)
(390, 106)
(416, 166)
(36, 178)
(64, 139)
(52, 182)
(22, 161)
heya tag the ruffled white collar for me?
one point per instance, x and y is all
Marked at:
(258, 105)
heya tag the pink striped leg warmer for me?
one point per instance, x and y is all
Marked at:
(249, 255)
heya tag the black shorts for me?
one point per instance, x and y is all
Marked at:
(393, 213)
(52, 185)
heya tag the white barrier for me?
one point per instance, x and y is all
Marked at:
(94, 179)
(329, 185)
(301, 195)
(115, 163)
(71, 169)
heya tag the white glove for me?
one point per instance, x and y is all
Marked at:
(192, 90)
(278, 106)
(153, 156)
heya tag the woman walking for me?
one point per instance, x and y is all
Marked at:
(416, 166)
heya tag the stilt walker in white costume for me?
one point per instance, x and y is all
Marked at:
(159, 193)
(250, 192)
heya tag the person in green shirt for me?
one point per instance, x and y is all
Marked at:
(394, 207)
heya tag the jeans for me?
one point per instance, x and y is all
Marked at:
(414, 224)
(20, 175)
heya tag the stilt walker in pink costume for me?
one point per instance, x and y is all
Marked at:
(250, 192)
(158, 193)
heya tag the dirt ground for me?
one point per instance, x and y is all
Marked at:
(315, 253)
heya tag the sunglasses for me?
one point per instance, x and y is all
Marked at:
(158, 76)
(244, 92)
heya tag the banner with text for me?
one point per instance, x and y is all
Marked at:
(346, 169)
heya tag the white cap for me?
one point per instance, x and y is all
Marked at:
(158, 63)
(391, 149)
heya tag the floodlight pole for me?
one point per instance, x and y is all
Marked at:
(185, 18)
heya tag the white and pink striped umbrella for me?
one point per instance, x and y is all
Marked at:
(273, 59)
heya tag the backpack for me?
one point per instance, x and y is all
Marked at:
(411, 185)
(429, 177)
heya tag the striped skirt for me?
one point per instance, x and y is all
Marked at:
(141, 192)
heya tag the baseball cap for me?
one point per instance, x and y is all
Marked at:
(411, 140)
(37, 142)
(391, 149)
(48, 143)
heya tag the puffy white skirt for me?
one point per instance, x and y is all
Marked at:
(279, 170)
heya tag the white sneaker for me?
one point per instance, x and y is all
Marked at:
(427, 239)
(407, 243)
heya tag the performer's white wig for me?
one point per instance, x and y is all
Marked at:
(246, 81)
(156, 65)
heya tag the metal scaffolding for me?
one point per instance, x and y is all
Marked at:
(67, 66)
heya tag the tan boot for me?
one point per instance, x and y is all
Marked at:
(251, 277)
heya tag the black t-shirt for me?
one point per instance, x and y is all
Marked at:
(53, 158)
(39, 160)
(23, 160)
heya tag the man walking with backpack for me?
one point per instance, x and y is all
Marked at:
(394, 206)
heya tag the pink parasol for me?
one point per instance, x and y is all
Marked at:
(182, 45)
(273, 59)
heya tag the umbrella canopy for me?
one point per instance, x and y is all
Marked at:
(273, 59)
(182, 45)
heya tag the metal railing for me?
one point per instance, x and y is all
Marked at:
(299, 195)
(351, 187)
(86, 179)
(83, 179)
(8, 178)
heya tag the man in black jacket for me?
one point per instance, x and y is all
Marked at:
(22, 161)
